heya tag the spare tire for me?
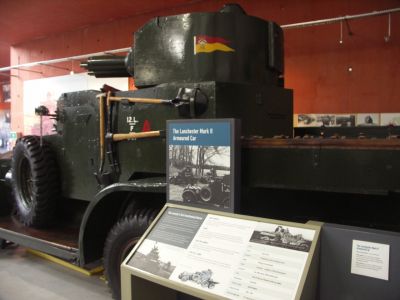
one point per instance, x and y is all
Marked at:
(35, 182)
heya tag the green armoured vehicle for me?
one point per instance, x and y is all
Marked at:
(93, 188)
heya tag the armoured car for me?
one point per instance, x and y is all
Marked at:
(88, 192)
(216, 191)
(203, 278)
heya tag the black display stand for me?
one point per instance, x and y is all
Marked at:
(336, 279)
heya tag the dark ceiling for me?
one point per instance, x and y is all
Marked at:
(24, 20)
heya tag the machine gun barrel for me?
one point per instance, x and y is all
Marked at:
(106, 66)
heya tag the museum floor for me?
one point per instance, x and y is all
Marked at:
(26, 276)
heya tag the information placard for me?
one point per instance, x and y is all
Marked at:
(370, 259)
(202, 163)
(224, 255)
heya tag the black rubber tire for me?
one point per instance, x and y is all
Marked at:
(205, 194)
(120, 241)
(188, 196)
(35, 182)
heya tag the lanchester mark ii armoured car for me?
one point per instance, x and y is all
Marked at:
(104, 169)
(94, 186)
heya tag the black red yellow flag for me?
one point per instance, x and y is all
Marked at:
(207, 44)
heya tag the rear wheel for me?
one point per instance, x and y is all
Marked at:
(205, 194)
(35, 182)
(120, 241)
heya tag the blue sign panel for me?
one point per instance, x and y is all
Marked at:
(200, 133)
(202, 163)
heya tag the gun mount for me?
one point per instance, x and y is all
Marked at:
(108, 66)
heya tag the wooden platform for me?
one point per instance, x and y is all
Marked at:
(60, 241)
(326, 143)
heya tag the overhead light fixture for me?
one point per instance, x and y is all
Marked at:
(387, 37)
(72, 68)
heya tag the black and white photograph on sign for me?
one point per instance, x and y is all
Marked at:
(365, 120)
(200, 174)
(345, 120)
(307, 120)
(315, 120)
(202, 272)
(390, 119)
(156, 258)
(202, 278)
(326, 120)
(282, 236)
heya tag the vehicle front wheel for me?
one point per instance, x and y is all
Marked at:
(35, 181)
(188, 196)
(120, 241)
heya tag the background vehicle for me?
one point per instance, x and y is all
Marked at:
(203, 278)
(215, 191)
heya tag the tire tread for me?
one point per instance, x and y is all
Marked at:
(45, 187)
(126, 229)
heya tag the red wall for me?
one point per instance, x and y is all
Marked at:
(316, 64)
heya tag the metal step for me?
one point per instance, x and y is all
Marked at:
(61, 242)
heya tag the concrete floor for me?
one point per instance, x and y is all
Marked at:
(26, 276)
